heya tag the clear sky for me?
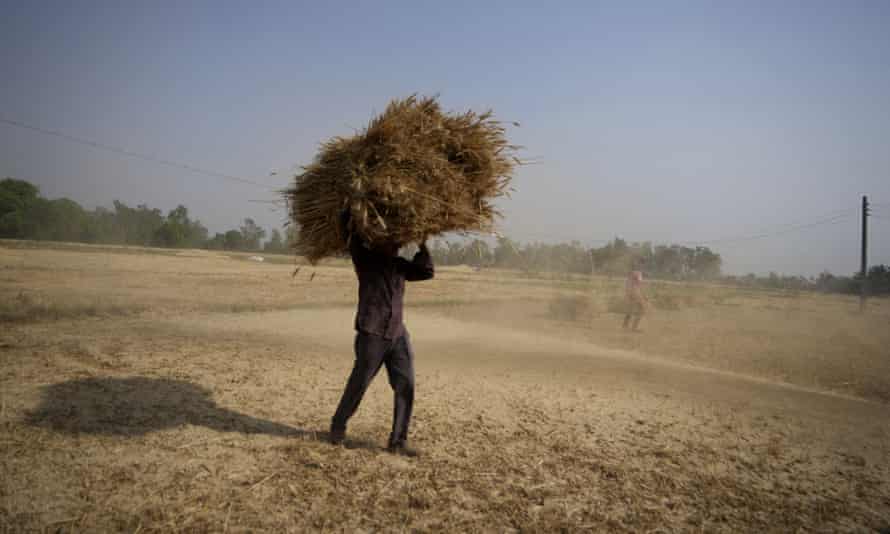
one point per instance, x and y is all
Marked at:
(669, 121)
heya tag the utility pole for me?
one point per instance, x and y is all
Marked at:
(864, 272)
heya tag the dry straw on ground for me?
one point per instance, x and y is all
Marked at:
(415, 171)
(203, 407)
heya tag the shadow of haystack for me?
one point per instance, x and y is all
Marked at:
(138, 405)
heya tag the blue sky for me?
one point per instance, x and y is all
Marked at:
(663, 121)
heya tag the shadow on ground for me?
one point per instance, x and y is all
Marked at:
(138, 405)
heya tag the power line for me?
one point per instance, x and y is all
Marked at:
(137, 155)
(792, 228)
(803, 220)
(274, 205)
(831, 217)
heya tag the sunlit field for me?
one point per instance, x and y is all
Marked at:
(158, 390)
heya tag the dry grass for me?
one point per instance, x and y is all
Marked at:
(414, 172)
(810, 339)
(30, 307)
(191, 417)
(570, 308)
(196, 447)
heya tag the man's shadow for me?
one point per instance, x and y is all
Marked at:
(138, 405)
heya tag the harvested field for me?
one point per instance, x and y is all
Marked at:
(191, 392)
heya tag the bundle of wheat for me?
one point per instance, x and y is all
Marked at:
(415, 171)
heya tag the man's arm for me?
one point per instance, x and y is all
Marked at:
(363, 258)
(361, 255)
(419, 268)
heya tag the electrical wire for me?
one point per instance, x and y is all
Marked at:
(137, 155)
(789, 229)
(798, 224)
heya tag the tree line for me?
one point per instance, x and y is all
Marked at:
(26, 214)
(617, 257)
(877, 280)
(665, 262)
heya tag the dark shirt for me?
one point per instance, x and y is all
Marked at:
(381, 287)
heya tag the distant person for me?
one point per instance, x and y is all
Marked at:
(635, 300)
(381, 338)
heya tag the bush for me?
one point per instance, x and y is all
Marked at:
(570, 308)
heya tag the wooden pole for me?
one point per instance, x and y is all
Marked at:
(863, 294)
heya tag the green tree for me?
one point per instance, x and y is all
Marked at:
(217, 242)
(135, 226)
(64, 220)
(174, 230)
(705, 263)
(290, 236)
(251, 234)
(178, 230)
(478, 253)
(16, 197)
(879, 280)
(506, 253)
(233, 240)
(275, 244)
(99, 225)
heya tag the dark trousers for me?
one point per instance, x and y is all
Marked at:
(370, 353)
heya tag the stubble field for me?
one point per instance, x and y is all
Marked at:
(158, 391)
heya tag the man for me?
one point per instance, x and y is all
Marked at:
(381, 338)
(636, 302)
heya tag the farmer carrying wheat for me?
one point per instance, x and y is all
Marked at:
(381, 338)
(415, 171)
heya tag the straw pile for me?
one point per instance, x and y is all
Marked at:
(414, 172)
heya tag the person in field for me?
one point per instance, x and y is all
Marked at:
(381, 338)
(636, 301)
